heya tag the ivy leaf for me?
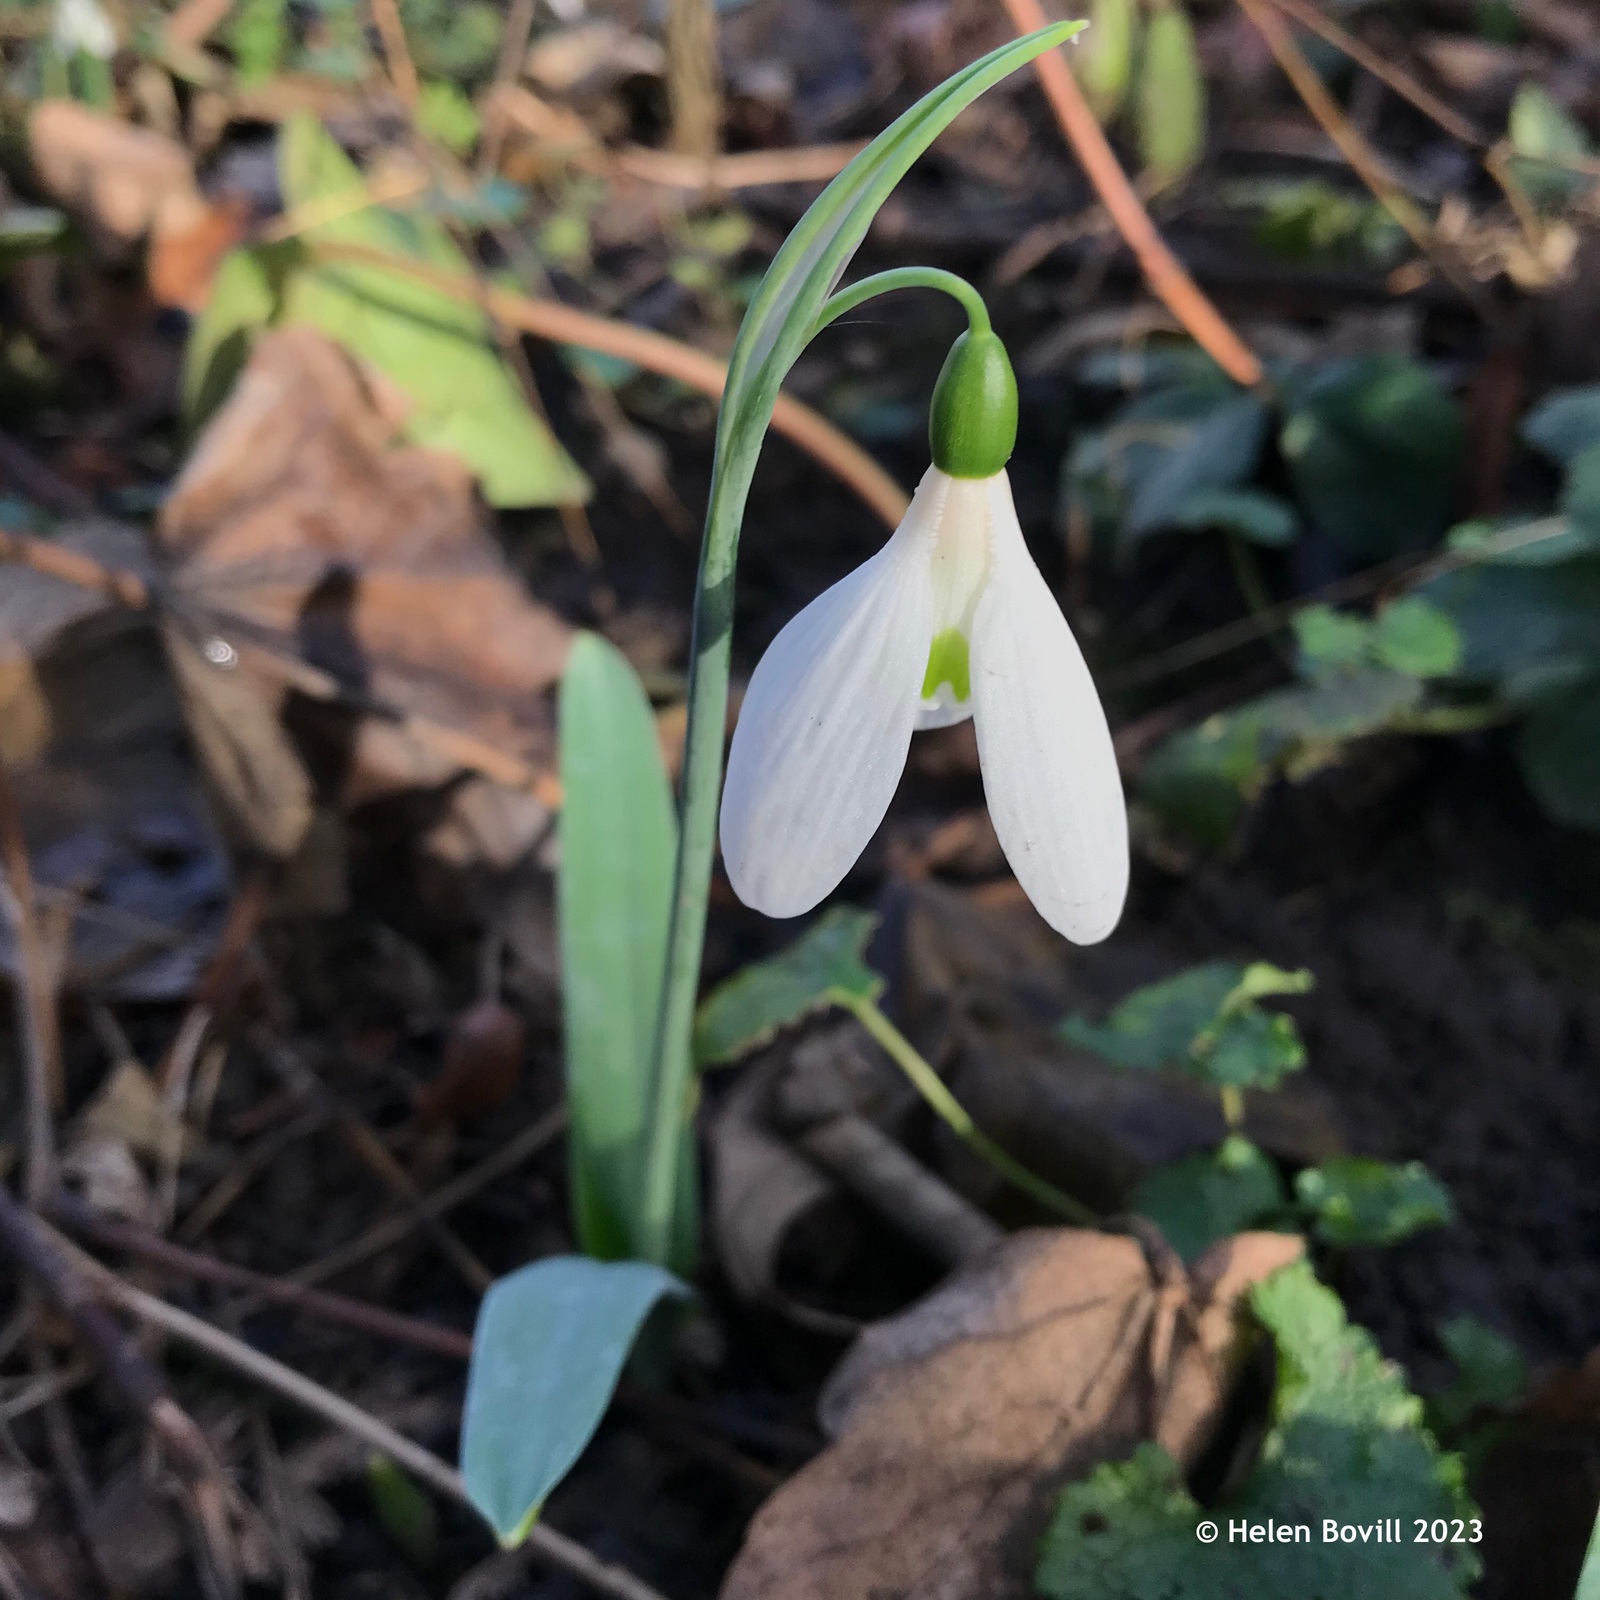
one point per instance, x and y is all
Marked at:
(1252, 514)
(822, 968)
(1413, 635)
(1346, 1444)
(1330, 641)
(1355, 1200)
(436, 348)
(1491, 1373)
(1202, 1198)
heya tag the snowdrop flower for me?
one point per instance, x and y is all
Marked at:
(83, 25)
(950, 619)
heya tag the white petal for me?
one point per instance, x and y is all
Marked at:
(1049, 771)
(826, 723)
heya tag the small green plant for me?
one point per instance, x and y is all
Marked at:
(1208, 1023)
(552, 1338)
(1346, 1475)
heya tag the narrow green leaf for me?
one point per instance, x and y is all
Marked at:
(617, 836)
(823, 965)
(1172, 96)
(1355, 1200)
(437, 348)
(547, 1352)
(404, 1510)
(1104, 59)
(444, 113)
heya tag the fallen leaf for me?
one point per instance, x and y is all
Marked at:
(129, 1108)
(103, 1172)
(955, 1422)
(125, 182)
(311, 549)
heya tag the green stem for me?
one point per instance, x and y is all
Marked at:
(1232, 1107)
(905, 278)
(955, 1116)
(738, 445)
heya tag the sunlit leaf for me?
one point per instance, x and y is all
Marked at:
(1357, 1201)
(823, 965)
(444, 113)
(1172, 96)
(1544, 134)
(618, 835)
(436, 348)
(547, 1352)
(1346, 1443)
(1415, 636)
(1103, 60)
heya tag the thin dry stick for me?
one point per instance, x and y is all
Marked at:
(1386, 72)
(749, 169)
(214, 1203)
(1364, 161)
(78, 1218)
(34, 993)
(1166, 274)
(376, 1156)
(127, 588)
(527, 1144)
(542, 1540)
(694, 78)
(396, 52)
(513, 47)
(547, 319)
(52, 1263)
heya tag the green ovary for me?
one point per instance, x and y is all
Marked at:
(948, 662)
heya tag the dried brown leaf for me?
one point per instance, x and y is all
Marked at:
(125, 182)
(955, 1422)
(305, 538)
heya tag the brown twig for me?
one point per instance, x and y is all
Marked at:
(543, 1540)
(513, 47)
(1364, 161)
(35, 1248)
(34, 992)
(694, 78)
(396, 52)
(140, 1243)
(1166, 274)
(547, 319)
(212, 1205)
(376, 1156)
(527, 1144)
(42, 556)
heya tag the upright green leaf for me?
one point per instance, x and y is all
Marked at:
(819, 969)
(617, 836)
(437, 348)
(1104, 58)
(1172, 96)
(244, 299)
(547, 1352)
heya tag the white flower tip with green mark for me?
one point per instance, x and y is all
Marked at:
(950, 619)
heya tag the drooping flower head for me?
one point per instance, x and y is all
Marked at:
(950, 619)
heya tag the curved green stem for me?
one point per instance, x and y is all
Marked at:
(955, 1116)
(702, 768)
(905, 278)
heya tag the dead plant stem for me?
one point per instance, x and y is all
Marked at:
(1167, 276)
